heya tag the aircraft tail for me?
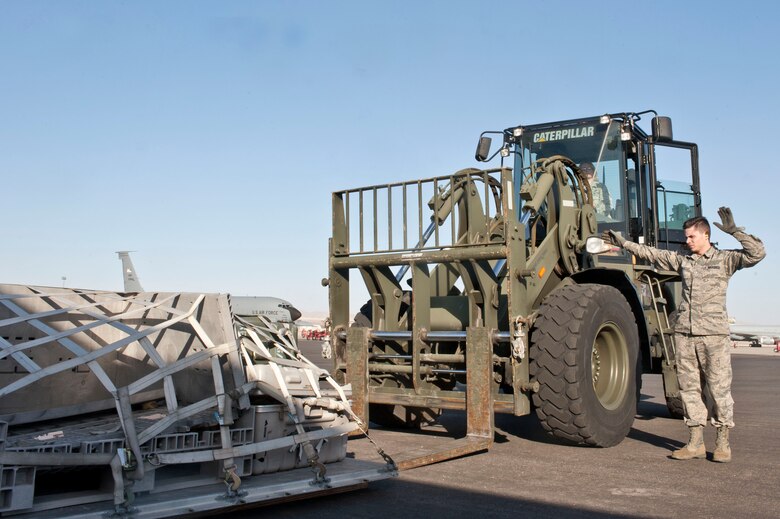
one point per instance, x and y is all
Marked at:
(132, 284)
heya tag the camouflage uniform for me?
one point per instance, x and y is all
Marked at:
(701, 328)
(601, 202)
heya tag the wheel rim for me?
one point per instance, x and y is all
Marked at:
(609, 366)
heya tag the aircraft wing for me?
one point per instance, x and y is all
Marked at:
(763, 334)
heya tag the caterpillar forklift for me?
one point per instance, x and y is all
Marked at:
(490, 290)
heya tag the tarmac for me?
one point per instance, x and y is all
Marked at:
(744, 348)
(526, 474)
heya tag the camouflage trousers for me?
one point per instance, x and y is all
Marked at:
(705, 360)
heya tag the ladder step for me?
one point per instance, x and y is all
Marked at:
(660, 300)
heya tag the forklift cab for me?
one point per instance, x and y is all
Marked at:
(628, 195)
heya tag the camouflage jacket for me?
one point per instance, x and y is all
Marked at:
(601, 201)
(705, 278)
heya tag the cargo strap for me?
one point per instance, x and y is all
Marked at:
(307, 367)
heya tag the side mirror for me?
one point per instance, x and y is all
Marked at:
(595, 245)
(483, 149)
(662, 129)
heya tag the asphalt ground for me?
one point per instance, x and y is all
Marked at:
(526, 474)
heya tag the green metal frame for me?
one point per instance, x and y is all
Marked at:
(457, 281)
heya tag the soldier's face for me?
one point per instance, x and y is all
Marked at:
(698, 242)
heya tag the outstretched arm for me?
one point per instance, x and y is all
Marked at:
(662, 258)
(752, 250)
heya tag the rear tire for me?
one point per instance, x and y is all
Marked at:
(400, 417)
(585, 357)
(676, 408)
(674, 404)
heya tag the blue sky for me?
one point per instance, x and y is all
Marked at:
(208, 136)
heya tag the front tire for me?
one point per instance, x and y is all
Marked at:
(585, 357)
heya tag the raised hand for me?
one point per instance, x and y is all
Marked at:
(728, 226)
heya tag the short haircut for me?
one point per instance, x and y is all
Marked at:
(699, 222)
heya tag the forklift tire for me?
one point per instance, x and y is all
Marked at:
(361, 319)
(674, 403)
(675, 406)
(585, 357)
(400, 417)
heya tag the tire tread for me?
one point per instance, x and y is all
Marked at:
(560, 403)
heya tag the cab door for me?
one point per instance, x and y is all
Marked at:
(674, 173)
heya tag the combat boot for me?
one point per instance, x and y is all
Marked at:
(695, 447)
(722, 452)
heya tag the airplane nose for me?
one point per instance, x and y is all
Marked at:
(295, 314)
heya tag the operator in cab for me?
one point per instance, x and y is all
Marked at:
(601, 200)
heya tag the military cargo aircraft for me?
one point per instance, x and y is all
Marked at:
(273, 308)
(758, 335)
